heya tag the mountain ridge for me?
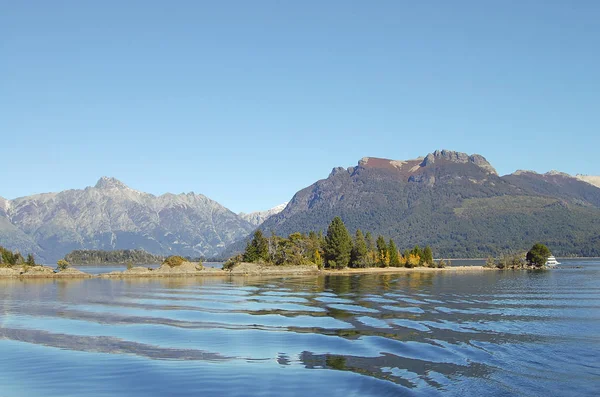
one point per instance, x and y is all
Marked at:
(258, 217)
(454, 201)
(110, 215)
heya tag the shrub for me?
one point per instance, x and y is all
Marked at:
(174, 260)
(231, 262)
(490, 262)
(62, 265)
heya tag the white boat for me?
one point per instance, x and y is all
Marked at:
(552, 261)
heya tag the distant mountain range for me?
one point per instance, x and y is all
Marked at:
(112, 216)
(257, 218)
(453, 201)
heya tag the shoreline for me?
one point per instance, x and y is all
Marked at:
(241, 270)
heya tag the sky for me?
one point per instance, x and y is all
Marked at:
(248, 102)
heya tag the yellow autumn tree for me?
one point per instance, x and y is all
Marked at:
(318, 259)
(413, 260)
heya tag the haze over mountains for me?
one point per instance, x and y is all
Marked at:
(453, 201)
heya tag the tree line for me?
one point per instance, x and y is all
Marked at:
(135, 256)
(334, 250)
(10, 258)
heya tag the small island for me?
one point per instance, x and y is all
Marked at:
(116, 257)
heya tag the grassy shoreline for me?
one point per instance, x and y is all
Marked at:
(243, 270)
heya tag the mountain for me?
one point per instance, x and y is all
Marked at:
(258, 217)
(591, 179)
(453, 201)
(110, 216)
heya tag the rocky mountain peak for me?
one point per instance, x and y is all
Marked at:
(337, 170)
(558, 173)
(258, 217)
(110, 183)
(460, 158)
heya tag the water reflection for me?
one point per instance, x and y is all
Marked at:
(425, 332)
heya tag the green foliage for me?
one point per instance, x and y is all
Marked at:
(231, 262)
(336, 362)
(129, 265)
(62, 265)
(10, 258)
(257, 249)
(174, 260)
(382, 251)
(99, 257)
(416, 251)
(427, 256)
(508, 260)
(359, 251)
(318, 259)
(338, 244)
(538, 255)
(393, 254)
(294, 250)
(370, 242)
(335, 251)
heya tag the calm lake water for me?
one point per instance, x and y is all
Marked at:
(486, 333)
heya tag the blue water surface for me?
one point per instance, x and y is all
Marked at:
(505, 333)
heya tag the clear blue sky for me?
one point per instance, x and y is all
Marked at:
(249, 101)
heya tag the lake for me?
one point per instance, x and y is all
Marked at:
(480, 333)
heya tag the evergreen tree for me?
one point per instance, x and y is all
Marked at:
(30, 260)
(369, 241)
(538, 255)
(394, 255)
(359, 251)
(428, 256)
(257, 249)
(418, 253)
(382, 250)
(338, 244)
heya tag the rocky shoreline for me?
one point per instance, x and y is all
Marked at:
(190, 269)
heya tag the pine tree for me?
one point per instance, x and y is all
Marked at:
(369, 241)
(257, 249)
(382, 250)
(338, 244)
(428, 256)
(359, 251)
(417, 252)
(30, 260)
(394, 255)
